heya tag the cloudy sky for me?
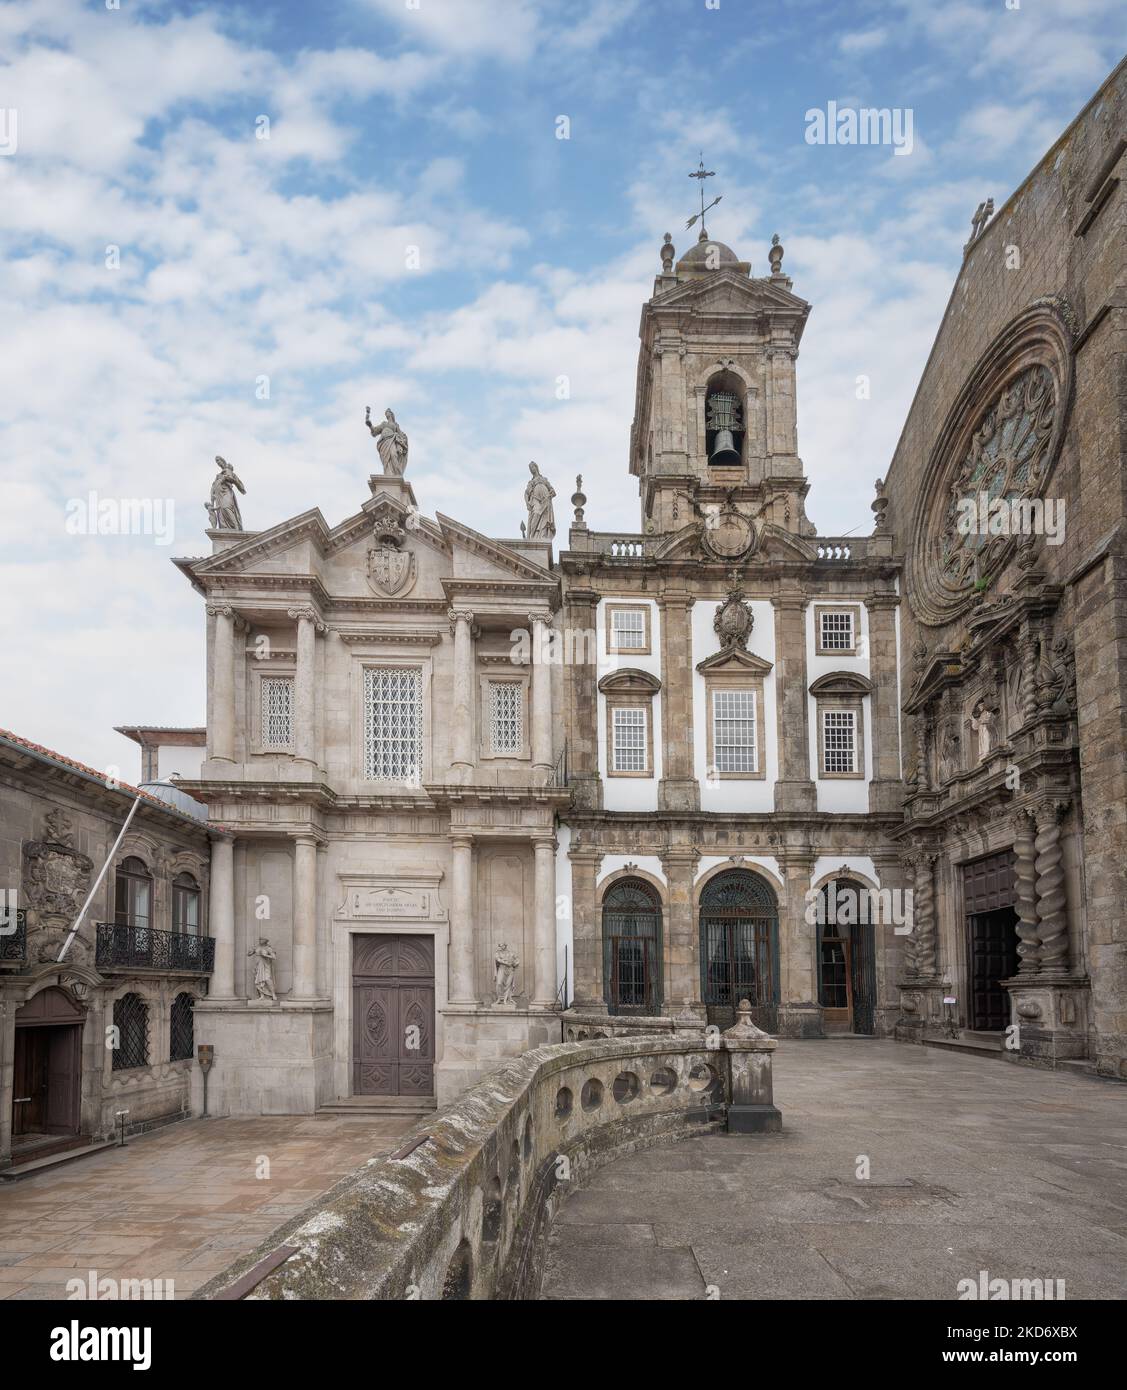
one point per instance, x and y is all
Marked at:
(414, 233)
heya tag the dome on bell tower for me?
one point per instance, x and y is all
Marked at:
(708, 256)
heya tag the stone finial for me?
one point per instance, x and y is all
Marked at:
(743, 1026)
(579, 500)
(775, 255)
(667, 254)
(879, 505)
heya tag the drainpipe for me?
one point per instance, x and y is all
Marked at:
(98, 881)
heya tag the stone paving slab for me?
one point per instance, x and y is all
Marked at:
(180, 1203)
(974, 1164)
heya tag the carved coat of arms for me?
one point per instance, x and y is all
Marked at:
(391, 569)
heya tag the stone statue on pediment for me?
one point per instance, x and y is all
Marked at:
(223, 509)
(538, 499)
(391, 442)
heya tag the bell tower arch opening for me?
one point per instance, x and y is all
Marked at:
(725, 421)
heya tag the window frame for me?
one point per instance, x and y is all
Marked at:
(643, 708)
(290, 678)
(181, 892)
(822, 610)
(613, 647)
(717, 682)
(507, 676)
(842, 704)
(128, 917)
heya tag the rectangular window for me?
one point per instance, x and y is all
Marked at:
(734, 743)
(629, 736)
(393, 724)
(506, 718)
(839, 740)
(836, 634)
(628, 629)
(277, 712)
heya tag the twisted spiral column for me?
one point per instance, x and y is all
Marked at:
(911, 949)
(924, 914)
(1028, 677)
(1025, 889)
(1051, 899)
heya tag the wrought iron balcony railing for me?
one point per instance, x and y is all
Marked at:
(13, 936)
(142, 948)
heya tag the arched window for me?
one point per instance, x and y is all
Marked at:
(134, 894)
(131, 1019)
(725, 421)
(739, 948)
(182, 1036)
(185, 905)
(632, 948)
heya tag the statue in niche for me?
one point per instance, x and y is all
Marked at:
(538, 499)
(505, 964)
(264, 969)
(982, 721)
(391, 442)
(950, 753)
(223, 509)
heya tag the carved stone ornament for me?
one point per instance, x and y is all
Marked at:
(56, 877)
(391, 569)
(728, 534)
(734, 620)
(991, 463)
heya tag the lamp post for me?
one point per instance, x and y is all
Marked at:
(205, 1055)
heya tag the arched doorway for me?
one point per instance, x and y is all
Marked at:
(739, 948)
(846, 957)
(47, 1092)
(632, 948)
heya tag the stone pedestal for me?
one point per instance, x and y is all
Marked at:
(801, 1020)
(478, 1039)
(749, 1057)
(270, 1058)
(1052, 1017)
(921, 1007)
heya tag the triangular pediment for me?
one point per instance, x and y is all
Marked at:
(727, 291)
(734, 660)
(491, 555)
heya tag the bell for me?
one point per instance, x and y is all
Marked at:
(724, 452)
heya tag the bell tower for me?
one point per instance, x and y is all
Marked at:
(714, 413)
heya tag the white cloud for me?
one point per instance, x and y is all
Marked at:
(863, 41)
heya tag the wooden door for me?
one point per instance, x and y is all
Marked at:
(63, 1072)
(29, 1097)
(993, 958)
(393, 1015)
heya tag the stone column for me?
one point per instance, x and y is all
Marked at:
(221, 916)
(923, 905)
(462, 730)
(911, 942)
(1051, 902)
(678, 790)
(463, 989)
(581, 677)
(221, 725)
(794, 790)
(1029, 663)
(682, 948)
(542, 759)
(586, 926)
(1025, 887)
(885, 790)
(304, 918)
(800, 1014)
(544, 973)
(305, 739)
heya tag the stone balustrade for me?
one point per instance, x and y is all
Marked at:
(462, 1208)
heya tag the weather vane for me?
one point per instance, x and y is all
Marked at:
(702, 173)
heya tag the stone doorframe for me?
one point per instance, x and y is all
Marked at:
(347, 923)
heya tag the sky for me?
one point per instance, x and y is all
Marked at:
(228, 229)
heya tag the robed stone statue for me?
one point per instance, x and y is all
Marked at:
(538, 499)
(223, 509)
(505, 964)
(264, 968)
(390, 441)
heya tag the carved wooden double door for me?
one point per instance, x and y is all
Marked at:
(392, 1015)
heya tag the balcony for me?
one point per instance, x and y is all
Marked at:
(126, 949)
(13, 937)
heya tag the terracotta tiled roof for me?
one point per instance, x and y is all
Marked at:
(98, 775)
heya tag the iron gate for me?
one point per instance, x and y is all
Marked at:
(739, 941)
(632, 948)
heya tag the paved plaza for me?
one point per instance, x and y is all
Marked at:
(975, 1164)
(180, 1203)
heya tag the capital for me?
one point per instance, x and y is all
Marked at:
(459, 615)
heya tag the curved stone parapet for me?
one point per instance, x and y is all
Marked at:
(461, 1209)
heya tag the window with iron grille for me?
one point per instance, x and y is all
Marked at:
(131, 1019)
(181, 1031)
(629, 740)
(277, 712)
(839, 741)
(733, 731)
(628, 629)
(506, 717)
(393, 724)
(837, 631)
